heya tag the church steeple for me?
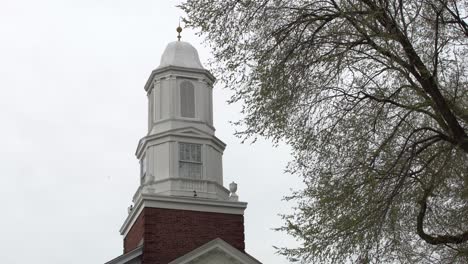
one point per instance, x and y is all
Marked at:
(181, 208)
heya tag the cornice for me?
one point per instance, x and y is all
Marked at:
(180, 203)
(177, 71)
(178, 133)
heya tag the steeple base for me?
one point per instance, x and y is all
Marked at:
(169, 227)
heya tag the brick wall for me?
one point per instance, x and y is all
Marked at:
(169, 234)
(135, 235)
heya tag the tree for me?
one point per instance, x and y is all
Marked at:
(372, 96)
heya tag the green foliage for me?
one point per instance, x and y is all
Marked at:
(372, 96)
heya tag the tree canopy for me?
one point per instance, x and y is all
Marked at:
(372, 95)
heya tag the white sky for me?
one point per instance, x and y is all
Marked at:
(72, 109)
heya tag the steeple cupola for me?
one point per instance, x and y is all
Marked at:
(180, 156)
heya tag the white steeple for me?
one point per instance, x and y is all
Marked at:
(180, 155)
(181, 187)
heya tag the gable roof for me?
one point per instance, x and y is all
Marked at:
(131, 257)
(216, 247)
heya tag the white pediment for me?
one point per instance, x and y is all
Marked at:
(187, 131)
(216, 251)
(191, 132)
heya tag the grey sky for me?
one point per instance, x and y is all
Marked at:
(72, 109)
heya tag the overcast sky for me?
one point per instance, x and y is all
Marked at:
(72, 109)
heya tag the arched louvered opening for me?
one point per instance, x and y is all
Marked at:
(187, 99)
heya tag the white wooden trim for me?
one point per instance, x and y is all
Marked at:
(213, 246)
(180, 203)
(122, 259)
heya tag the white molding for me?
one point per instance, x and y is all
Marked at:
(174, 187)
(173, 134)
(214, 246)
(180, 203)
(164, 72)
(130, 221)
(125, 258)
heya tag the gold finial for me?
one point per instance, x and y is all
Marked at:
(179, 29)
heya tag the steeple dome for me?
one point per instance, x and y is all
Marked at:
(181, 54)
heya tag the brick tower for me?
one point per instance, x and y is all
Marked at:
(181, 211)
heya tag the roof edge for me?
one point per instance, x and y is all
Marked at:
(216, 244)
(129, 256)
